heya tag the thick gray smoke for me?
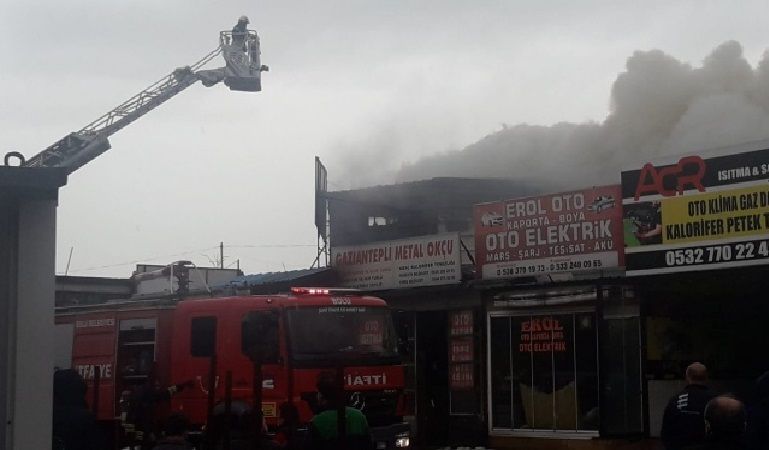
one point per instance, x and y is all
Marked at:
(658, 106)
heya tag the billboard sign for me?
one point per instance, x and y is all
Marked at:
(697, 213)
(568, 232)
(405, 263)
(321, 201)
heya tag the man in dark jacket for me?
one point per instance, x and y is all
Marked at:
(74, 425)
(324, 427)
(725, 422)
(683, 424)
(144, 400)
(758, 422)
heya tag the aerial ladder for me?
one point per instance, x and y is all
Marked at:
(242, 72)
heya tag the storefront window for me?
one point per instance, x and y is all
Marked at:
(621, 372)
(586, 371)
(499, 344)
(553, 365)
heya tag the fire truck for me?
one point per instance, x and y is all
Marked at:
(200, 343)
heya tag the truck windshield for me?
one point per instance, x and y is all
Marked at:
(329, 332)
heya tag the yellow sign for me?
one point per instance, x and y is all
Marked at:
(269, 409)
(716, 215)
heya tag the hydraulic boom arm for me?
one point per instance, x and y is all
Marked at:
(80, 147)
(242, 73)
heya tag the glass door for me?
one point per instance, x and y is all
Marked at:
(544, 372)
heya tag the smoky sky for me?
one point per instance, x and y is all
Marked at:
(658, 106)
(373, 88)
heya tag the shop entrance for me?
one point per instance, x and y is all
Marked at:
(544, 371)
(432, 377)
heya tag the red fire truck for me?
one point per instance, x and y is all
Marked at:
(116, 346)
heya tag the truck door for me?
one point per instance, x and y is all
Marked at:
(260, 341)
(135, 352)
(93, 351)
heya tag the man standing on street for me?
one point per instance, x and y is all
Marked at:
(758, 421)
(683, 423)
(725, 424)
(324, 426)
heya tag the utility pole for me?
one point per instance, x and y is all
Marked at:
(221, 255)
(69, 260)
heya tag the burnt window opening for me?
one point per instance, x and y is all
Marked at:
(381, 221)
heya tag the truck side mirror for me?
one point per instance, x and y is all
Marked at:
(259, 336)
(203, 336)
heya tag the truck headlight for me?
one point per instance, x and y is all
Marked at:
(402, 440)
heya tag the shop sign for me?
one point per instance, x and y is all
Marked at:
(405, 263)
(88, 371)
(269, 409)
(560, 233)
(461, 377)
(109, 322)
(461, 350)
(697, 213)
(542, 334)
(372, 333)
(461, 323)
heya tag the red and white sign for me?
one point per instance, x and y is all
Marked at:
(405, 263)
(461, 377)
(461, 350)
(461, 323)
(565, 232)
(372, 333)
(542, 334)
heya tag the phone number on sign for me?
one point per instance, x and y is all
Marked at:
(739, 251)
(551, 267)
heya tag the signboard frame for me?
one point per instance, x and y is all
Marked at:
(420, 261)
(697, 212)
(561, 233)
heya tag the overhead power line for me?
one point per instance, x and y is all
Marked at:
(269, 245)
(156, 257)
(140, 260)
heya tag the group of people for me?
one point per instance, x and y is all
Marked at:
(698, 418)
(75, 426)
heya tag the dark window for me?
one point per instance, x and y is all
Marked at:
(622, 368)
(259, 336)
(380, 221)
(321, 333)
(203, 336)
(501, 383)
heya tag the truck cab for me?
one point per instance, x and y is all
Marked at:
(304, 333)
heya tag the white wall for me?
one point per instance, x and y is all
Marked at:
(31, 388)
(199, 278)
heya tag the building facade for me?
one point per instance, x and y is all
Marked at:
(79, 290)
(394, 232)
(574, 314)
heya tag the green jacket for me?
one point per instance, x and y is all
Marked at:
(324, 429)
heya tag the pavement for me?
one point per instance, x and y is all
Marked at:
(464, 448)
